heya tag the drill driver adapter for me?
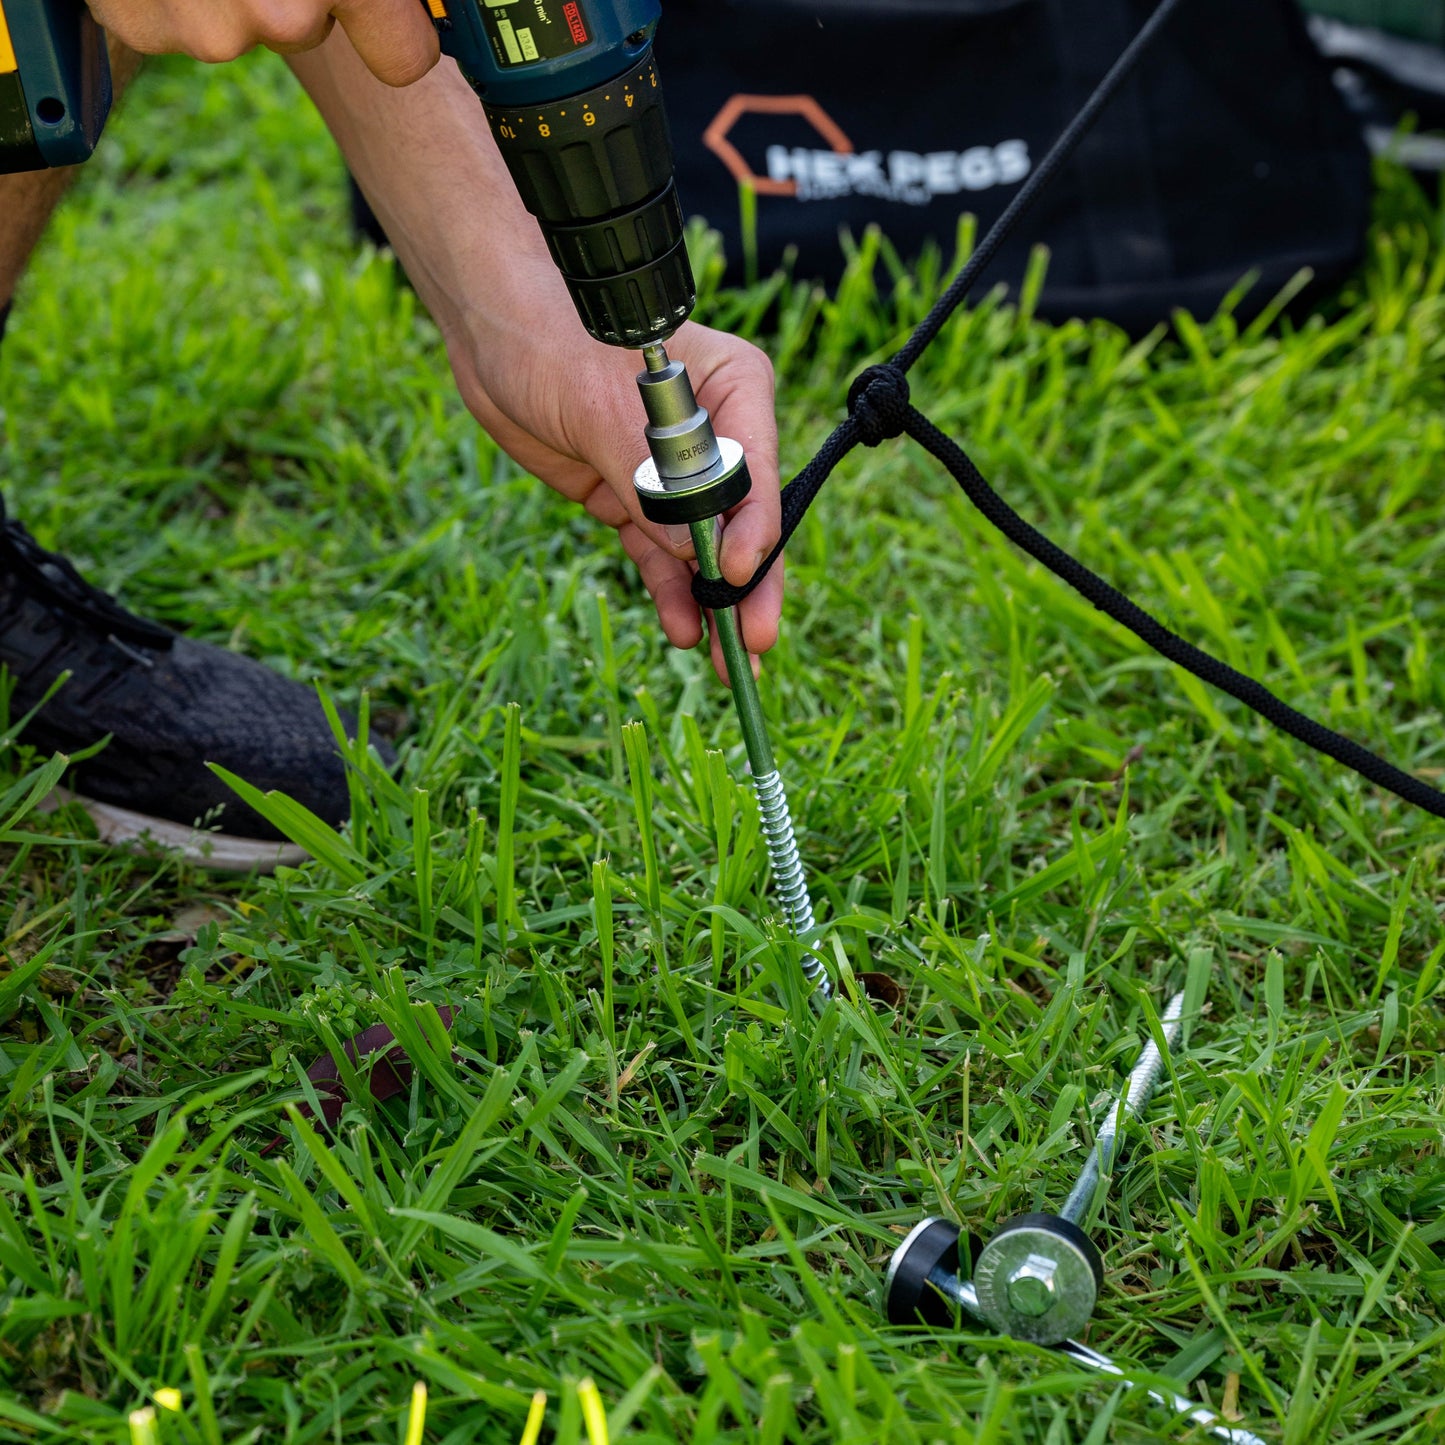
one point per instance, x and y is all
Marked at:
(693, 474)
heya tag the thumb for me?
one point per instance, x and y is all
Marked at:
(394, 38)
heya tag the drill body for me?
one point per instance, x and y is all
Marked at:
(571, 93)
(54, 84)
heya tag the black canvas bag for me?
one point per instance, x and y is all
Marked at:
(1229, 152)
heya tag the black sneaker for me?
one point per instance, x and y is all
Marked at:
(170, 706)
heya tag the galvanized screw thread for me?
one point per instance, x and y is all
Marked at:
(788, 880)
(1141, 1084)
(777, 821)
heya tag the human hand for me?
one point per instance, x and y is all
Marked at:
(567, 409)
(564, 406)
(394, 38)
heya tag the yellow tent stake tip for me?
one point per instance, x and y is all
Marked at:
(594, 1413)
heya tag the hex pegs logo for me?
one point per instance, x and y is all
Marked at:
(716, 137)
(792, 164)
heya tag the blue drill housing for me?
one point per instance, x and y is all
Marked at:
(54, 107)
(618, 31)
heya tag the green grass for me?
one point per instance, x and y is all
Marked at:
(651, 1164)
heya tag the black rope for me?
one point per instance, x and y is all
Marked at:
(1113, 603)
(879, 408)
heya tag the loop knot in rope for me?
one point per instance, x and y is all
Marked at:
(878, 403)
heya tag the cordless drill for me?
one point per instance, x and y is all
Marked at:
(571, 93)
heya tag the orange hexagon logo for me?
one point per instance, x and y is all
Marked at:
(715, 137)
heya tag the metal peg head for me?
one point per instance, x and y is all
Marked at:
(1031, 1286)
(1038, 1279)
(708, 493)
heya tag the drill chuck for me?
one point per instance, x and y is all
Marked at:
(596, 170)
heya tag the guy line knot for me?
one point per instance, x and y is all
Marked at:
(878, 403)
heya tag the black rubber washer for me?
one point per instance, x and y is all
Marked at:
(697, 506)
(911, 1298)
(1071, 1232)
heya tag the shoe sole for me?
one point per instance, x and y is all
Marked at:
(218, 852)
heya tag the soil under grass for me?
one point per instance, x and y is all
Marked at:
(650, 1162)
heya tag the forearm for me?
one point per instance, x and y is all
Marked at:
(431, 171)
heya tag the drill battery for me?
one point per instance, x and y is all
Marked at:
(55, 89)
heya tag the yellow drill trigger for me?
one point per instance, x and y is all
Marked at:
(438, 9)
